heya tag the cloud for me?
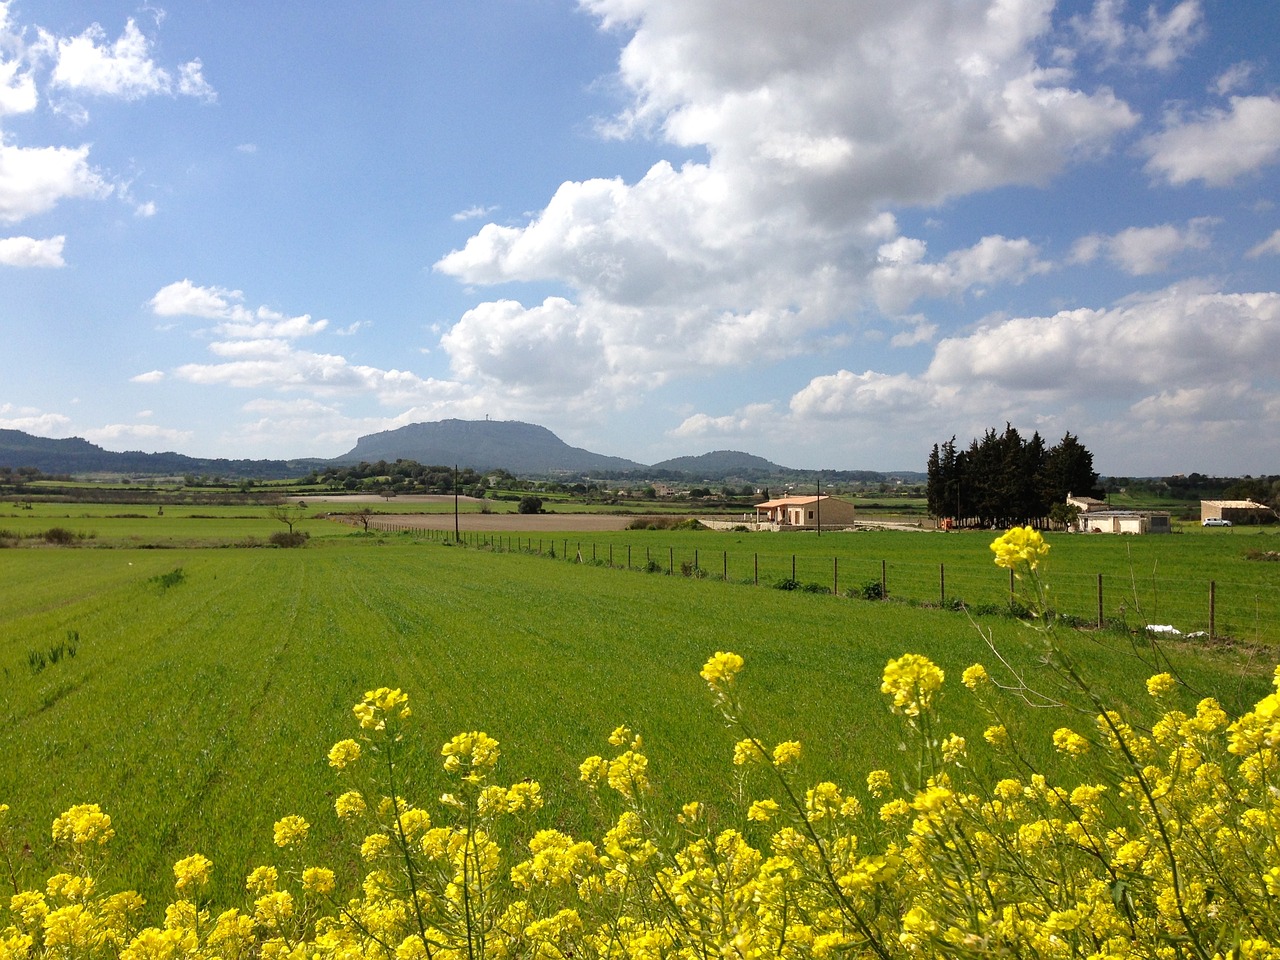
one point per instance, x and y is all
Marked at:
(151, 376)
(1158, 43)
(902, 276)
(1233, 78)
(1269, 246)
(868, 395)
(183, 298)
(1216, 146)
(123, 68)
(749, 420)
(1139, 251)
(32, 420)
(29, 252)
(769, 247)
(1176, 336)
(315, 373)
(149, 435)
(1181, 366)
(473, 213)
(34, 180)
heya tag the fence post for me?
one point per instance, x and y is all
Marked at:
(726, 565)
(756, 556)
(628, 556)
(671, 560)
(942, 584)
(884, 579)
(835, 576)
(1099, 601)
(1213, 604)
(695, 559)
(793, 566)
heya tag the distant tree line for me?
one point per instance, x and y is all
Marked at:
(1002, 480)
(1198, 486)
(402, 476)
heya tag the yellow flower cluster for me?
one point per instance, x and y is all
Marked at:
(1021, 550)
(721, 669)
(475, 752)
(380, 705)
(912, 681)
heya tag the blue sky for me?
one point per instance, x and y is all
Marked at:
(827, 233)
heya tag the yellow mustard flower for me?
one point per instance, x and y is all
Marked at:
(954, 748)
(374, 846)
(83, 824)
(192, 871)
(290, 830)
(476, 751)
(787, 752)
(912, 681)
(1069, 742)
(349, 804)
(262, 880)
(721, 668)
(879, 782)
(1160, 684)
(975, 676)
(344, 753)
(318, 880)
(996, 735)
(762, 811)
(1020, 549)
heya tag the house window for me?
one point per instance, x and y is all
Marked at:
(810, 514)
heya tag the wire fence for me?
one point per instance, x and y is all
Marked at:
(1212, 608)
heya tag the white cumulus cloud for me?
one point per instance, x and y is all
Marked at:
(816, 119)
(34, 180)
(1145, 250)
(29, 252)
(123, 68)
(1217, 146)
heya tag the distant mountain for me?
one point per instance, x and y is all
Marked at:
(720, 464)
(77, 455)
(523, 449)
(520, 448)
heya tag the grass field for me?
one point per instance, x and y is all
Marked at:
(208, 684)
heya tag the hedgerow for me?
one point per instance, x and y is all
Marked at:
(1168, 849)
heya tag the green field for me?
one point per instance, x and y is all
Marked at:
(199, 705)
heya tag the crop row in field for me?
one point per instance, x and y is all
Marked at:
(199, 705)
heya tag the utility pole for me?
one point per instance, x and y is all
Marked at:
(456, 535)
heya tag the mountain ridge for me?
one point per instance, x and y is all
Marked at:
(523, 449)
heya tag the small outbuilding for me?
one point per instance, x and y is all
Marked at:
(800, 513)
(1124, 521)
(1237, 511)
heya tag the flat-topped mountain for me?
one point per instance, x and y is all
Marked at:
(519, 448)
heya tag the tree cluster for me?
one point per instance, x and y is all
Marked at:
(402, 476)
(1002, 480)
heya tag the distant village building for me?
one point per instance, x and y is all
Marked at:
(1086, 504)
(1124, 521)
(1237, 511)
(1096, 516)
(805, 512)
